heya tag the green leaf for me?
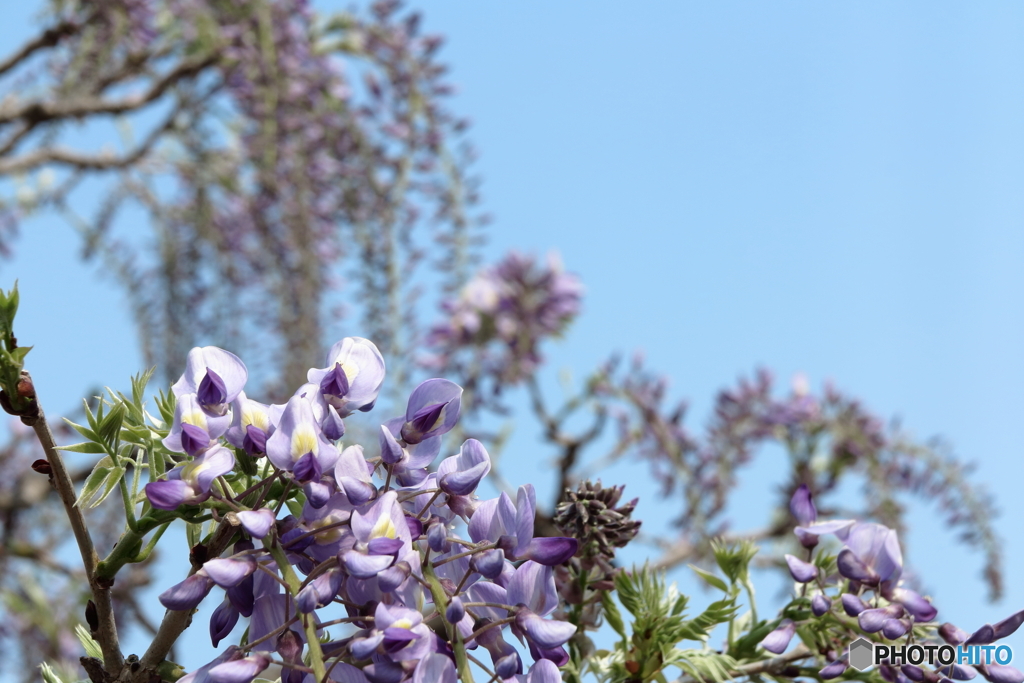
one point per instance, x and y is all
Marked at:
(101, 482)
(92, 648)
(110, 426)
(612, 614)
(84, 447)
(84, 431)
(711, 579)
(48, 674)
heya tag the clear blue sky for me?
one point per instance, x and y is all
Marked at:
(835, 189)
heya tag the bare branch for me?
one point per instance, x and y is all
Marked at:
(47, 38)
(37, 112)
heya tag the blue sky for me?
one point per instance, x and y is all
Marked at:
(833, 189)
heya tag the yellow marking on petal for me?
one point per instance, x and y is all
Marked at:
(384, 528)
(351, 371)
(255, 417)
(304, 441)
(190, 471)
(403, 623)
(331, 535)
(196, 418)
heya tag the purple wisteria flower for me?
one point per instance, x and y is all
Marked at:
(347, 538)
(190, 483)
(216, 377)
(298, 445)
(353, 376)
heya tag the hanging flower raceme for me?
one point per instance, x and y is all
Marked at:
(370, 534)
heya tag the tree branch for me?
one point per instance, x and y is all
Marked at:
(37, 112)
(106, 633)
(774, 665)
(47, 38)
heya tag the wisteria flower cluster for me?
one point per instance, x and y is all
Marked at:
(501, 316)
(320, 522)
(864, 582)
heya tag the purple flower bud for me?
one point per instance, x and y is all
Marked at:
(833, 670)
(332, 426)
(460, 474)
(801, 571)
(455, 611)
(187, 594)
(852, 605)
(222, 621)
(508, 666)
(951, 634)
(820, 605)
(801, 505)
(415, 527)
(489, 563)
(872, 620)
(959, 673)
(895, 628)
(1008, 626)
(778, 640)
(983, 636)
(557, 656)
(390, 450)
(437, 538)
(998, 673)
(914, 673)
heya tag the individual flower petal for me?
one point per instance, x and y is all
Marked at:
(433, 409)
(533, 585)
(1009, 625)
(778, 640)
(808, 535)
(895, 628)
(363, 648)
(872, 620)
(546, 633)
(229, 571)
(820, 605)
(167, 494)
(833, 670)
(240, 670)
(256, 523)
(551, 550)
(187, 594)
(851, 567)
(951, 634)
(435, 668)
(877, 547)
(852, 605)
(801, 505)
(544, 671)
(365, 566)
(917, 606)
(801, 571)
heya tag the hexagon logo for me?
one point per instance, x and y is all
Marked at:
(862, 654)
